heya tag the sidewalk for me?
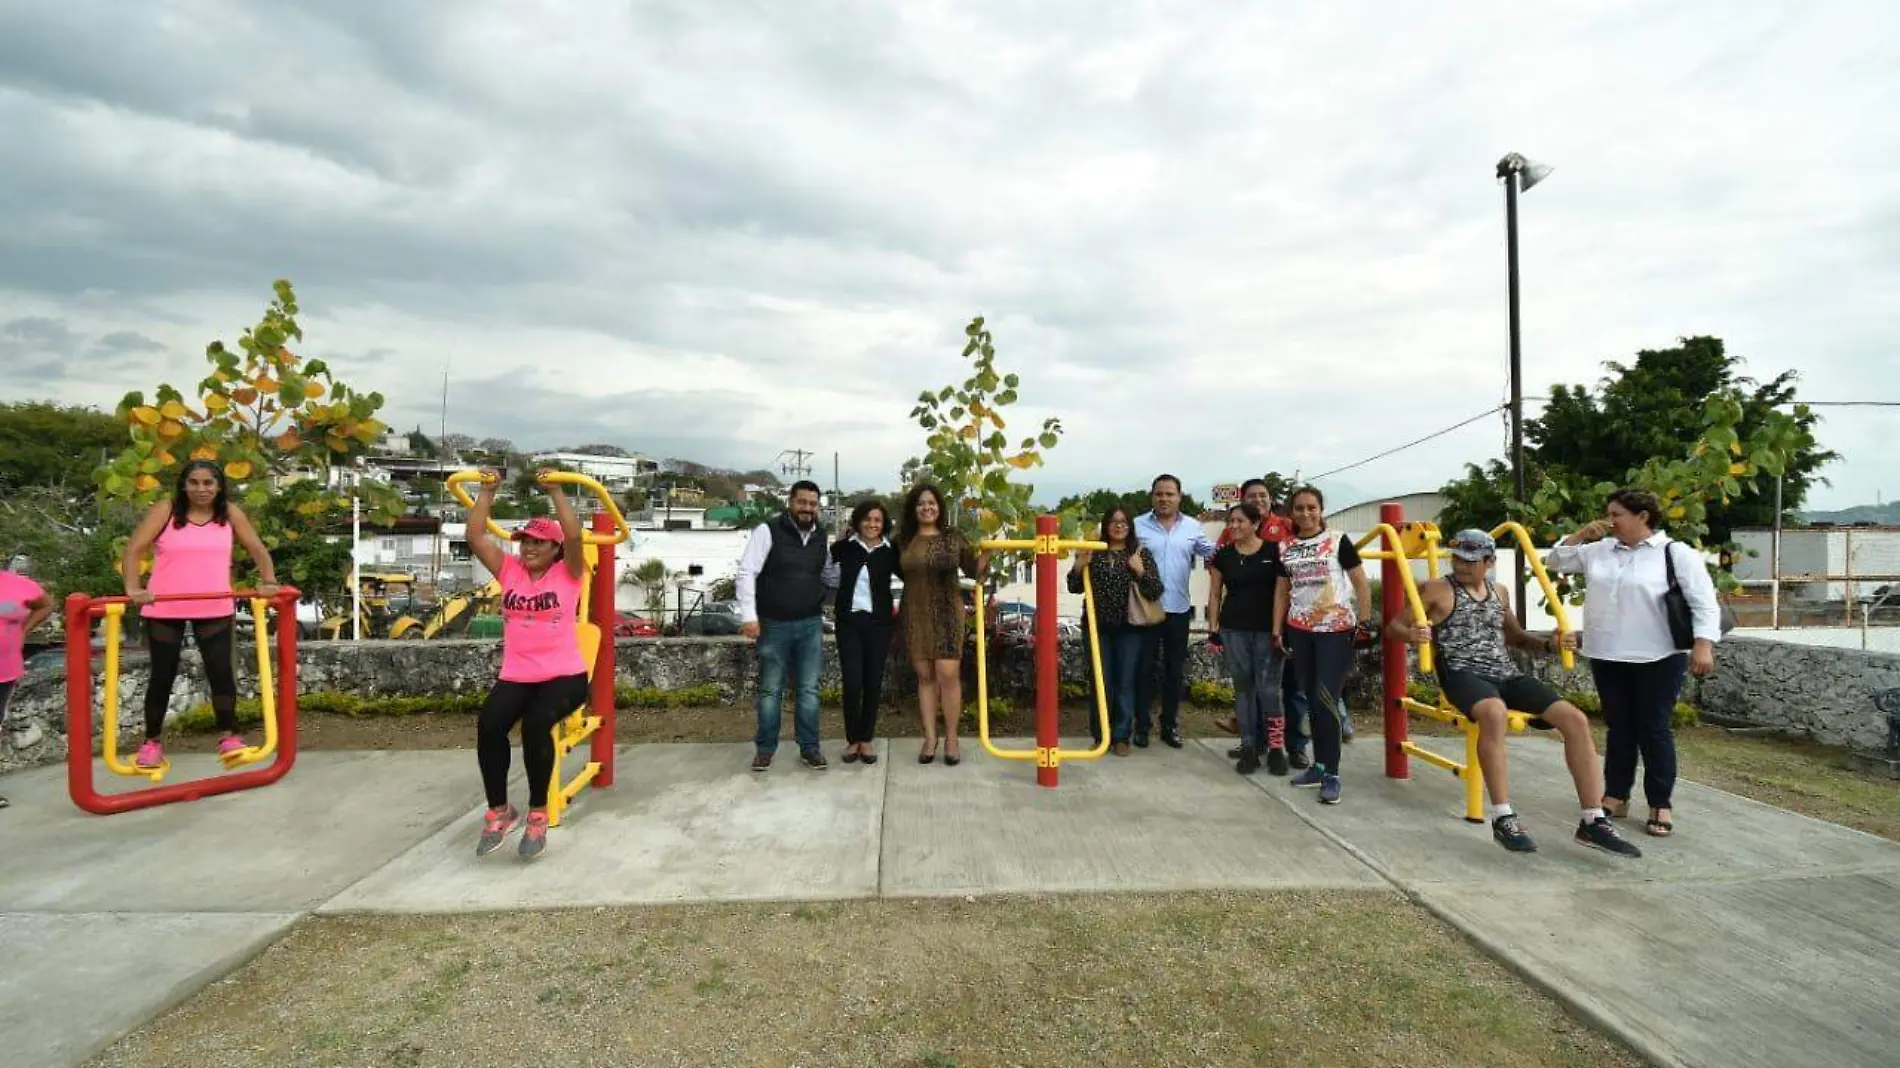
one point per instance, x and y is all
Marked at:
(1755, 936)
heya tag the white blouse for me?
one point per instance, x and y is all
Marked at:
(1623, 616)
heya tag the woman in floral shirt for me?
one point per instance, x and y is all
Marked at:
(1323, 601)
(1110, 574)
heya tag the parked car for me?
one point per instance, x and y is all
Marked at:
(628, 625)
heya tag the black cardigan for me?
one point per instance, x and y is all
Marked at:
(852, 558)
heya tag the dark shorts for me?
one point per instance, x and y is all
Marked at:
(1521, 693)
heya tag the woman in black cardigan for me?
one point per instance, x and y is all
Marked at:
(865, 560)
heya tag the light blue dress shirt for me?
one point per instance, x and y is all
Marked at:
(1174, 549)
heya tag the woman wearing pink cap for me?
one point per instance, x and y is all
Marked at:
(190, 538)
(543, 676)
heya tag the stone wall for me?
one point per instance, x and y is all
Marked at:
(1824, 694)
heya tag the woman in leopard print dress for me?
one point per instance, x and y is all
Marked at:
(931, 556)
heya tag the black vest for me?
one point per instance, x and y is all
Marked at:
(851, 559)
(791, 584)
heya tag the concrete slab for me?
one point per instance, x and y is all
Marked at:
(73, 983)
(1770, 972)
(681, 823)
(1158, 820)
(284, 847)
(1414, 829)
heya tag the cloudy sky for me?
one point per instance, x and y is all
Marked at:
(1213, 237)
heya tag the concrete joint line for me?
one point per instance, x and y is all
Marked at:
(1552, 985)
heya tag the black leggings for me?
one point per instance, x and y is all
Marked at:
(1322, 660)
(537, 706)
(864, 647)
(166, 639)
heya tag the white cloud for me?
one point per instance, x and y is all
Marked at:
(1212, 239)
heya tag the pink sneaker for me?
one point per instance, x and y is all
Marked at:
(496, 823)
(535, 838)
(229, 744)
(151, 755)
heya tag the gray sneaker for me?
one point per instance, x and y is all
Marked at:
(496, 824)
(1329, 791)
(1310, 778)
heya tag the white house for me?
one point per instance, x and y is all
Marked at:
(617, 473)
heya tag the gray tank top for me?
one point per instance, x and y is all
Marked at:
(1472, 637)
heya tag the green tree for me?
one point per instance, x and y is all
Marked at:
(70, 544)
(1090, 507)
(967, 453)
(46, 444)
(650, 577)
(1654, 409)
(277, 424)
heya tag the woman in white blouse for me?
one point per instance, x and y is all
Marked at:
(1637, 665)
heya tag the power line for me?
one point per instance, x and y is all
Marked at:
(1411, 444)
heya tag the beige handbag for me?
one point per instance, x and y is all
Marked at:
(1142, 612)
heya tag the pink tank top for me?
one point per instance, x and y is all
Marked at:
(194, 558)
(538, 617)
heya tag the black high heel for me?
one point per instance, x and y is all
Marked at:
(951, 760)
(926, 758)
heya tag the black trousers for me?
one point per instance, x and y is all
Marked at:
(1322, 660)
(537, 706)
(1639, 707)
(864, 648)
(1171, 638)
(216, 647)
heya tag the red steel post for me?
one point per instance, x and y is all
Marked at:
(79, 702)
(1048, 677)
(601, 698)
(1395, 654)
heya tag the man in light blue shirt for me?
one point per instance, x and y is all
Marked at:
(1175, 541)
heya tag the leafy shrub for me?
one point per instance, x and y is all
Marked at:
(1424, 691)
(1590, 704)
(1204, 694)
(1686, 715)
(705, 695)
(831, 697)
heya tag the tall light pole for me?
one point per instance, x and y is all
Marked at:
(1517, 173)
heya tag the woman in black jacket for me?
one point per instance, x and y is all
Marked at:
(1111, 573)
(865, 559)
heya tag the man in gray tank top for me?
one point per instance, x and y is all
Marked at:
(1472, 627)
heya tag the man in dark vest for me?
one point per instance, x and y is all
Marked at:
(781, 588)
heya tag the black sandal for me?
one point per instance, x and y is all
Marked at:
(850, 756)
(869, 756)
(1656, 828)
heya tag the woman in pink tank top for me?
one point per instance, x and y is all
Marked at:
(23, 606)
(190, 538)
(543, 676)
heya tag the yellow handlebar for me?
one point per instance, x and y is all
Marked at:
(1404, 568)
(1523, 539)
(621, 532)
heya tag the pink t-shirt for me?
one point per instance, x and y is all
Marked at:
(194, 558)
(15, 591)
(538, 617)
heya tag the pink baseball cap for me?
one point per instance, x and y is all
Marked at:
(541, 528)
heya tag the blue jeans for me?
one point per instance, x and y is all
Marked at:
(793, 645)
(1255, 670)
(1121, 658)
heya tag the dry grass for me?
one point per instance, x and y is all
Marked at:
(1225, 979)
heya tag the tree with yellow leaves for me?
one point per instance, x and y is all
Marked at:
(968, 454)
(277, 424)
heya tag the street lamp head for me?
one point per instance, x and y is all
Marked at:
(1527, 171)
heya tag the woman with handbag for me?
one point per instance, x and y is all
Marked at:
(1127, 588)
(1650, 614)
